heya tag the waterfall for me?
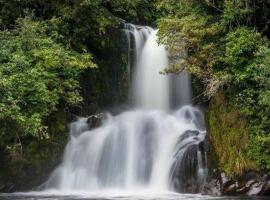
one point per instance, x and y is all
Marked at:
(151, 59)
(149, 147)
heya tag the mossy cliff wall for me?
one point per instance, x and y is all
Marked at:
(229, 137)
(231, 164)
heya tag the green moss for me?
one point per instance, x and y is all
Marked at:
(229, 136)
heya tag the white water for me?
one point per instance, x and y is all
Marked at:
(142, 149)
(150, 89)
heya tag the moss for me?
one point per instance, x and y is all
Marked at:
(229, 136)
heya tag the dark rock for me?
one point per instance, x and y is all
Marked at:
(185, 172)
(188, 134)
(250, 184)
(95, 120)
(250, 175)
(225, 180)
(242, 190)
(255, 189)
(2, 187)
(7, 187)
(10, 187)
(266, 177)
(191, 186)
(230, 188)
(265, 189)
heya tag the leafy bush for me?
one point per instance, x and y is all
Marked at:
(37, 75)
(248, 60)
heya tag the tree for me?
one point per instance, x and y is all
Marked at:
(37, 76)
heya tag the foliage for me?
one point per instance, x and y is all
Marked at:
(219, 43)
(247, 57)
(192, 43)
(49, 53)
(222, 43)
(38, 75)
(237, 12)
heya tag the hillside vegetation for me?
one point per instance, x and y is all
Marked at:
(64, 57)
(225, 45)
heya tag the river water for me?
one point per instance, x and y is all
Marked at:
(82, 196)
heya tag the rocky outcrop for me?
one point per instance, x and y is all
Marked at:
(250, 184)
(190, 171)
(95, 120)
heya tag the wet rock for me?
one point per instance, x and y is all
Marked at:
(191, 186)
(7, 187)
(225, 180)
(228, 185)
(250, 184)
(95, 120)
(265, 189)
(212, 188)
(2, 187)
(189, 133)
(230, 188)
(255, 189)
(242, 189)
(266, 177)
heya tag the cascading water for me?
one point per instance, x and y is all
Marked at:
(147, 148)
(150, 90)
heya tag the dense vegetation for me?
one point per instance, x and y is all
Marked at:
(37, 74)
(58, 59)
(56, 55)
(49, 50)
(225, 45)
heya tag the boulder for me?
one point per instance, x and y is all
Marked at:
(255, 189)
(95, 120)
